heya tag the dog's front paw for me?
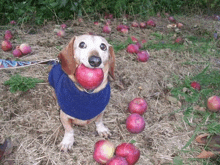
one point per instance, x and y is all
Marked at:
(102, 130)
(67, 142)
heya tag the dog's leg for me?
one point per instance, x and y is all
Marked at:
(100, 128)
(68, 138)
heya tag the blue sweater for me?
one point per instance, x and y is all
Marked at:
(75, 103)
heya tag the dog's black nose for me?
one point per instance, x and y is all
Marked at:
(95, 61)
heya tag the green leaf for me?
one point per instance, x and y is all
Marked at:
(20, 83)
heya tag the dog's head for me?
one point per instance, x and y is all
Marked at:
(93, 51)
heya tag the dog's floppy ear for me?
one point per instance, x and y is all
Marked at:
(111, 62)
(66, 57)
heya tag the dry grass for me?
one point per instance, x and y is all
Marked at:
(31, 118)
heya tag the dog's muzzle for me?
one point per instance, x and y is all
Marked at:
(95, 61)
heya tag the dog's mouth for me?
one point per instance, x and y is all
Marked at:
(89, 78)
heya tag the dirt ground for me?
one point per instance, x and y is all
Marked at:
(31, 119)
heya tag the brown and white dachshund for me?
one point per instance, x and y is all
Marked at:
(94, 52)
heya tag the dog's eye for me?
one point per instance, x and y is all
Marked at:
(82, 45)
(103, 47)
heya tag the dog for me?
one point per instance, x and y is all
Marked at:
(81, 106)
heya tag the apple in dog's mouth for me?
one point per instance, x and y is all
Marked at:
(89, 78)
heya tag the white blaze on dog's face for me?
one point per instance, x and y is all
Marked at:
(86, 46)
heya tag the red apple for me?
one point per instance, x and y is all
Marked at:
(132, 48)
(179, 40)
(135, 123)
(171, 19)
(8, 35)
(17, 52)
(25, 48)
(96, 23)
(61, 33)
(137, 105)
(63, 26)
(124, 30)
(134, 39)
(117, 160)
(143, 25)
(89, 78)
(103, 151)
(143, 56)
(106, 29)
(129, 152)
(120, 27)
(6, 45)
(213, 103)
(134, 24)
(151, 23)
(196, 85)
(12, 22)
(179, 25)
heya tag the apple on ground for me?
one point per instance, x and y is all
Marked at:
(103, 151)
(143, 25)
(12, 22)
(96, 23)
(6, 45)
(196, 85)
(89, 78)
(143, 56)
(179, 25)
(151, 23)
(117, 160)
(25, 48)
(63, 26)
(134, 24)
(134, 39)
(129, 152)
(137, 105)
(106, 29)
(61, 33)
(8, 35)
(172, 19)
(124, 30)
(213, 103)
(120, 27)
(132, 48)
(17, 52)
(179, 40)
(135, 123)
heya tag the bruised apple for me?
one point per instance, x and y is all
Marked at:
(143, 56)
(117, 160)
(137, 105)
(129, 152)
(103, 151)
(89, 78)
(213, 103)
